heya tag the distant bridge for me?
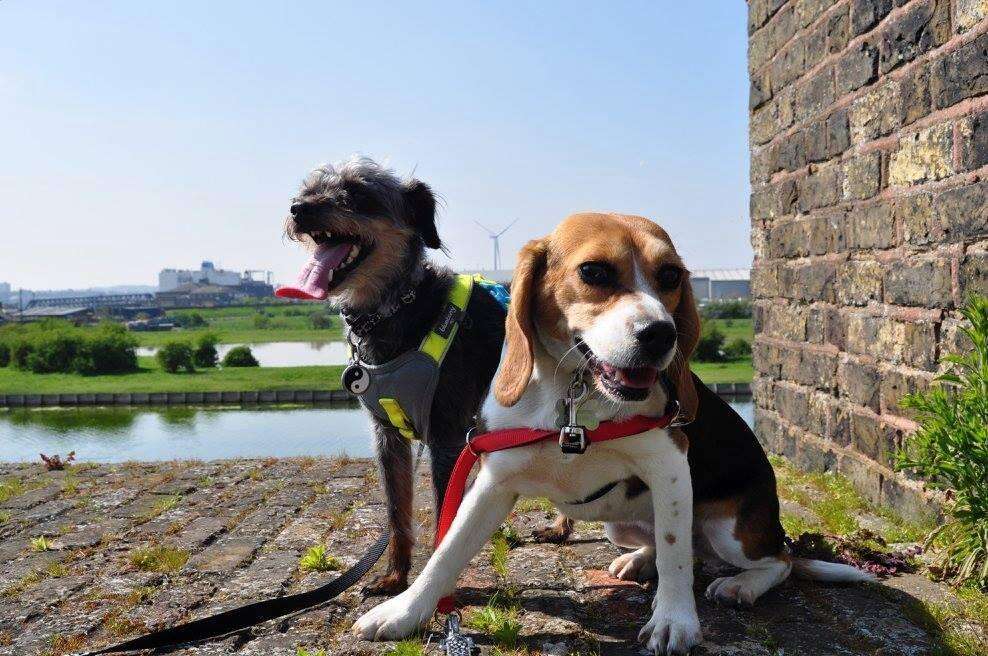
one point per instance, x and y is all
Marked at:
(94, 302)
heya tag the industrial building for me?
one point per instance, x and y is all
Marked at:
(720, 284)
(207, 274)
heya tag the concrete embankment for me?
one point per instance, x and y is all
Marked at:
(228, 398)
(104, 552)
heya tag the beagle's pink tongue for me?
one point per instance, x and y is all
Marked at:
(313, 281)
(635, 377)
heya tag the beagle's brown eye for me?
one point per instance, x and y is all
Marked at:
(598, 274)
(669, 277)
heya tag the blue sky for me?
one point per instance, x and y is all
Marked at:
(140, 135)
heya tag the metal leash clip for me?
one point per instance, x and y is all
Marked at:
(573, 435)
(454, 643)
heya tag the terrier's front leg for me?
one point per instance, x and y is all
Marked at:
(486, 505)
(674, 627)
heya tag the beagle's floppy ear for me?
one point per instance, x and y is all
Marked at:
(519, 331)
(688, 328)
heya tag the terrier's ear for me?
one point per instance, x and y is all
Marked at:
(515, 371)
(423, 206)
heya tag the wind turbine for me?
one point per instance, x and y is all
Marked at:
(494, 237)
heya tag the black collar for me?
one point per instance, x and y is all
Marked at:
(362, 324)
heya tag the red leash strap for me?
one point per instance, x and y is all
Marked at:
(512, 438)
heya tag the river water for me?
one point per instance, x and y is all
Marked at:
(122, 434)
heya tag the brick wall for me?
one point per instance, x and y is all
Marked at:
(869, 172)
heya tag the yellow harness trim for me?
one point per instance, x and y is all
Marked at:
(398, 418)
(436, 343)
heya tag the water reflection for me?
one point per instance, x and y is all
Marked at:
(121, 434)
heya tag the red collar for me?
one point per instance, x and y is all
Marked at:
(511, 438)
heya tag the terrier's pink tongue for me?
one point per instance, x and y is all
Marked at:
(313, 281)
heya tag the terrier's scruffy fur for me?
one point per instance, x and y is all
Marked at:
(392, 222)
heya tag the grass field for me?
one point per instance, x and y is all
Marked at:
(151, 378)
(239, 325)
(734, 328)
(739, 371)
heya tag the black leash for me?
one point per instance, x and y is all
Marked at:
(244, 617)
(235, 620)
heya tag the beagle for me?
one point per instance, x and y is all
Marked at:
(606, 299)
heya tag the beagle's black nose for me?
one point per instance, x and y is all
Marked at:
(657, 338)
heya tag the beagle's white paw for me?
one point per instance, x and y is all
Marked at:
(396, 618)
(634, 566)
(672, 631)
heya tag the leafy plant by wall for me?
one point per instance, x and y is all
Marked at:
(175, 356)
(950, 450)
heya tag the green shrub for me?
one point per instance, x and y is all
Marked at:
(58, 347)
(321, 321)
(710, 347)
(190, 320)
(205, 355)
(174, 356)
(737, 349)
(950, 450)
(262, 321)
(727, 309)
(4, 354)
(240, 356)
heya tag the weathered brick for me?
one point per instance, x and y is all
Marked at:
(838, 133)
(820, 188)
(815, 141)
(895, 384)
(814, 368)
(915, 100)
(872, 437)
(786, 322)
(773, 200)
(961, 74)
(974, 274)
(875, 114)
(862, 176)
(856, 68)
(816, 94)
(865, 478)
(919, 282)
(788, 239)
(870, 226)
(974, 141)
(859, 281)
(764, 123)
(865, 14)
(765, 280)
(826, 233)
(762, 161)
(925, 155)
(809, 281)
(859, 382)
(809, 10)
(793, 403)
(968, 13)
(792, 153)
(915, 215)
(789, 65)
(963, 211)
(759, 50)
(923, 26)
(760, 91)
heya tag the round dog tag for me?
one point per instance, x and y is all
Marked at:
(356, 379)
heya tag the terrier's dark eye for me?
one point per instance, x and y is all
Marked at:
(598, 274)
(670, 276)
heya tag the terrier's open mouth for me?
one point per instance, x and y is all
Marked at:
(335, 258)
(626, 383)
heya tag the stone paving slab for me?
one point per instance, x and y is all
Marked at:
(239, 528)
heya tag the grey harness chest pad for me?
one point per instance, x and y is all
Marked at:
(410, 379)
